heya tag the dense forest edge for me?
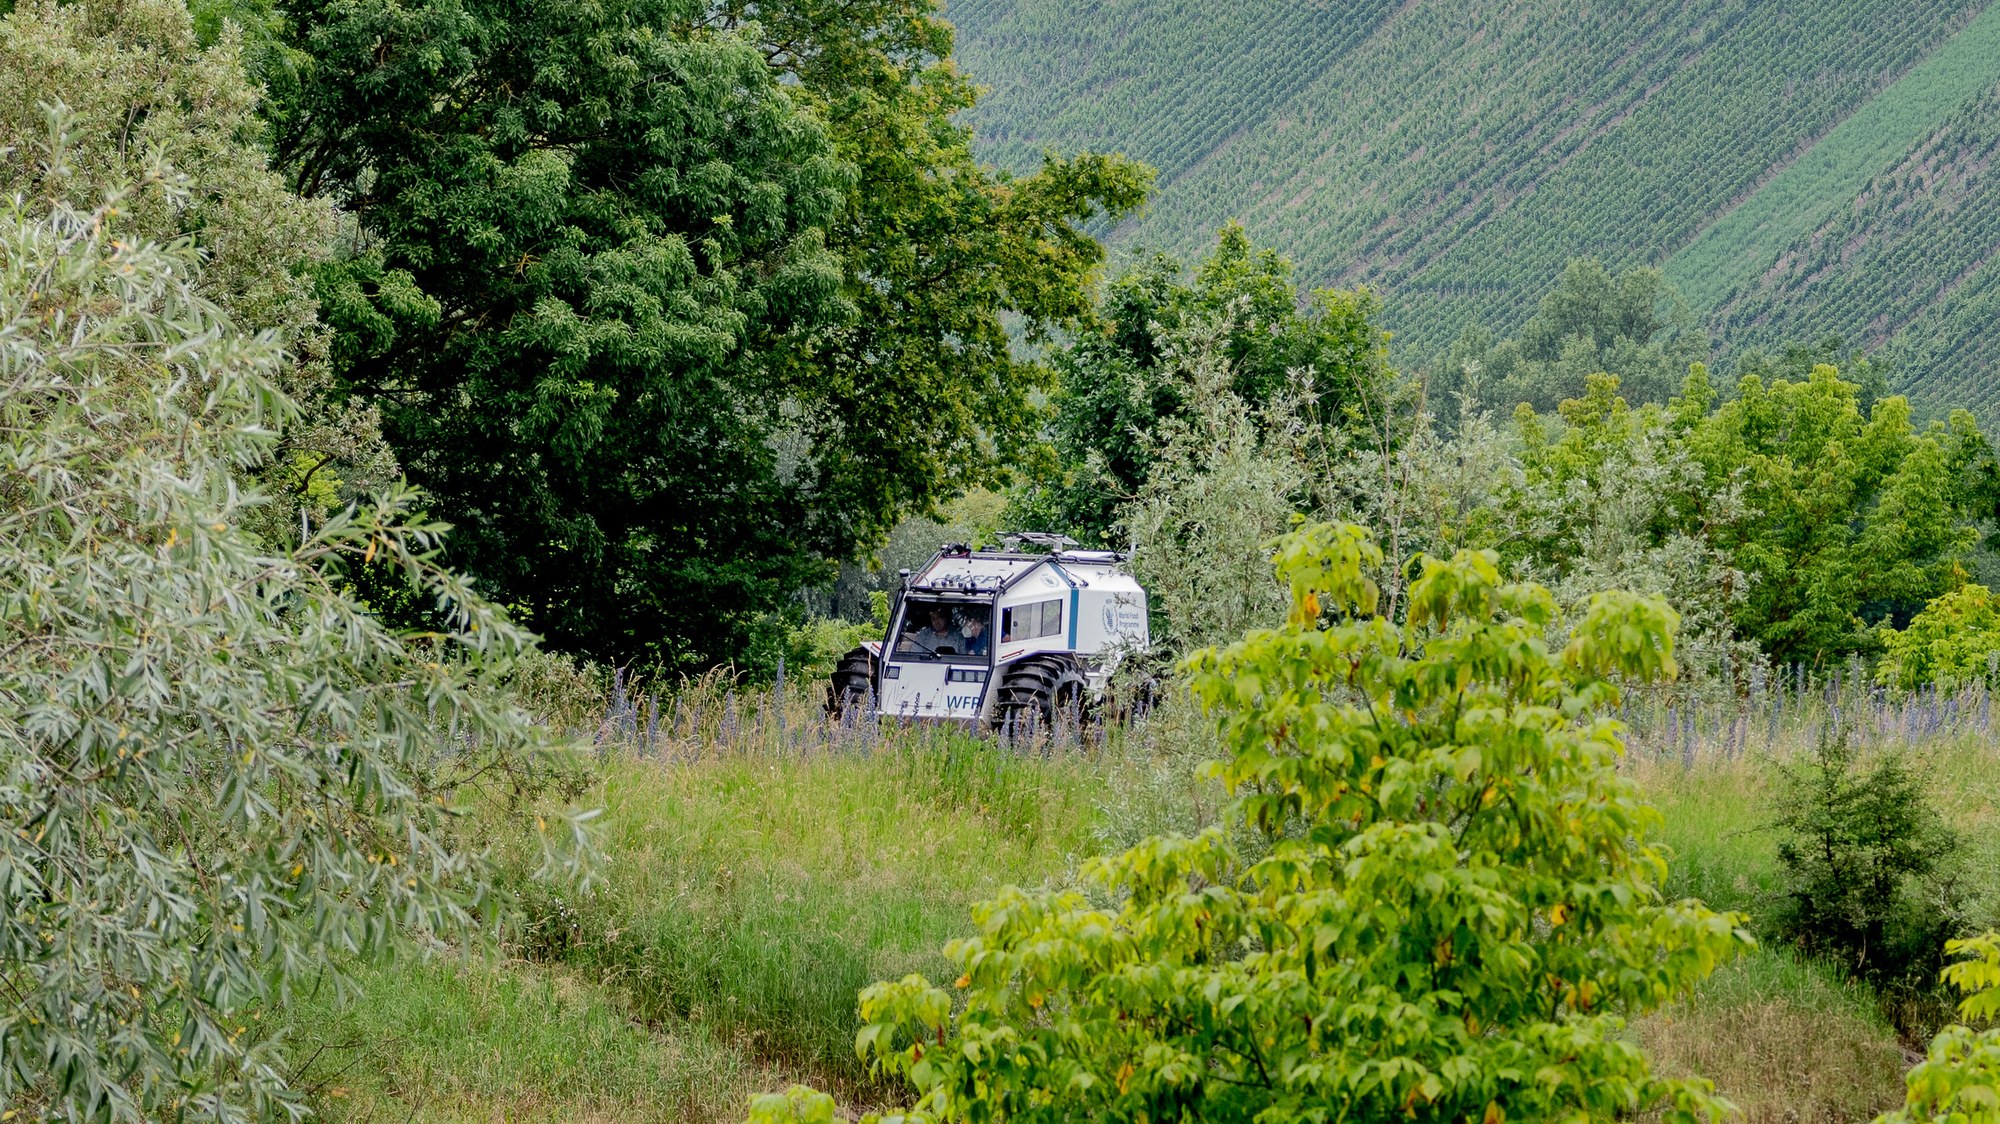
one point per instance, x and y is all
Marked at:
(445, 446)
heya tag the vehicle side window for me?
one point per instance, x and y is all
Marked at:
(1030, 622)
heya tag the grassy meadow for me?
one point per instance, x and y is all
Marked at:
(756, 875)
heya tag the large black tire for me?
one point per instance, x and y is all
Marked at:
(853, 684)
(1033, 693)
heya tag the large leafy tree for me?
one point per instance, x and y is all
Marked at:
(1294, 358)
(1845, 518)
(1951, 643)
(670, 304)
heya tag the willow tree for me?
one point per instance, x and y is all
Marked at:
(141, 91)
(217, 769)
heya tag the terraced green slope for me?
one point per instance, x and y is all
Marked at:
(1167, 82)
(1732, 251)
(1455, 153)
(1912, 259)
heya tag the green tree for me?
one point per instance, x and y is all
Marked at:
(139, 91)
(1634, 325)
(1607, 496)
(1120, 384)
(1870, 870)
(1218, 486)
(1458, 902)
(1846, 518)
(1952, 642)
(217, 769)
(670, 307)
(1795, 361)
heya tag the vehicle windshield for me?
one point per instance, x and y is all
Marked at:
(954, 631)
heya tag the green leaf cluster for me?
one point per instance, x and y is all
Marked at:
(139, 92)
(219, 772)
(1455, 905)
(1958, 1082)
(1848, 517)
(1951, 642)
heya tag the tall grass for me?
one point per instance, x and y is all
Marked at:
(1784, 1039)
(769, 863)
(1788, 1039)
(452, 1039)
(764, 863)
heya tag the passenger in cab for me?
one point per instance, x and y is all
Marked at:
(972, 633)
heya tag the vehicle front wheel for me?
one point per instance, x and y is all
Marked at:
(853, 685)
(1034, 692)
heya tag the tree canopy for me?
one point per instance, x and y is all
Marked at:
(142, 94)
(1634, 324)
(667, 305)
(1315, 358)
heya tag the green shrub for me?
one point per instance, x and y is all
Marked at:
(1458, 905)
(1958, 1082)
(1866, 866)
(1953, 641)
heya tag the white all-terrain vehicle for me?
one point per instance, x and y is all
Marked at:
(1013, 638)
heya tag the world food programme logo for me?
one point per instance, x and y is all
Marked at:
(1110, 620)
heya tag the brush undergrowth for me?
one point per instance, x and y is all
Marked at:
(757, 874)
(462, 1039)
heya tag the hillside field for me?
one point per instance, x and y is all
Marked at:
(1797, 170)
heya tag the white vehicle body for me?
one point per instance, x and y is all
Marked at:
(1071, 608)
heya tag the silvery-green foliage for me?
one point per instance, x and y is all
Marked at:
(1580, 502)
(1220, 489)
(140, 90)
(217, 770)
(1594, 501)
(1424, 488)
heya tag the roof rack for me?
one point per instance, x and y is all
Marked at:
(1054, 544)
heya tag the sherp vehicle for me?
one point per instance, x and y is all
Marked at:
(1010, 637)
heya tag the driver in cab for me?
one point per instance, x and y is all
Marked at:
(930, 638)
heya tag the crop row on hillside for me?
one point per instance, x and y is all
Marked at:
(1745, 105)
(1911, 258)
(1459, 153)
(1748, 239)
(1163, 82)
(1950, 355)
